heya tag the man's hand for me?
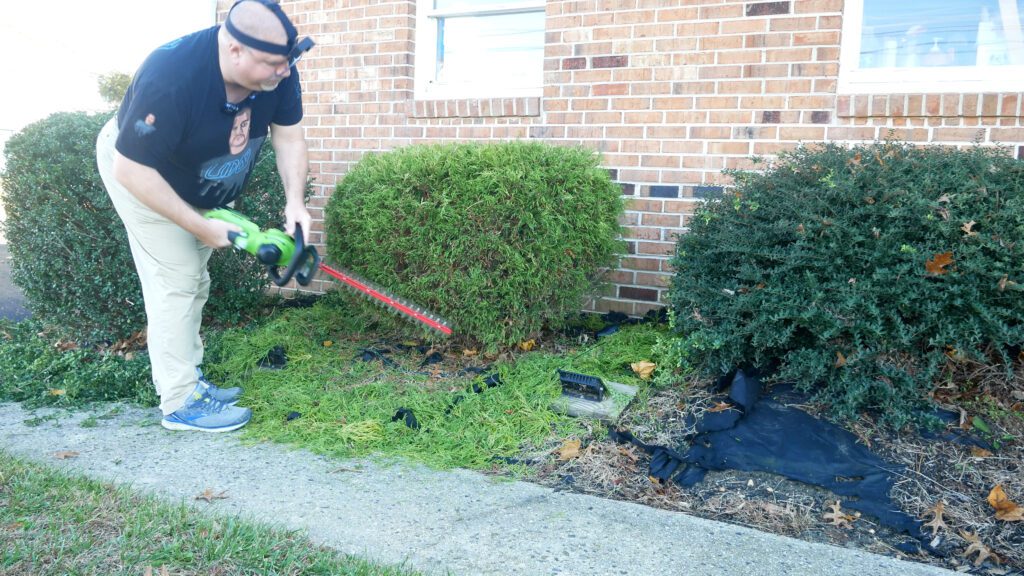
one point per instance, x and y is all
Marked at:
(214, 233)
(295, 212)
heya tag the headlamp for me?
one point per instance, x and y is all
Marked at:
(293, 50)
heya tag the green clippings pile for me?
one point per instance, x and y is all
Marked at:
(342, 405)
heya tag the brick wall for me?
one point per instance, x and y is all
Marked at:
(671, 92)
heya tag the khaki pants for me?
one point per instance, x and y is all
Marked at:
(171, 263)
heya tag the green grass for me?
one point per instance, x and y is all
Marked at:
(55, 523)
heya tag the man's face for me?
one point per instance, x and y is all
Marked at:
(263, 69)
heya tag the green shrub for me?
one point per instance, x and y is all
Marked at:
(498, 238)
(831, 263)
(34, 371)
(69, 250)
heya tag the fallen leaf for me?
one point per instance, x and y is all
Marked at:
(569, 450)
(976, 547)
(643, 369)
(838, 518)
(65, 454)
(1006, 510)
(720, 407)
(65, 346)
(328, 343)
(944, 198)
(57, 392)
(840, 359)
(1002, 283)
(980, 452)
(527, 345)
(937, 265)
(209, 495)
(936, 522)
(967, 228)
(470, 352)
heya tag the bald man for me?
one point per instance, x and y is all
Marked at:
(167, 158)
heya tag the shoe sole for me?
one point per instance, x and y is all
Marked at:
(181, 426)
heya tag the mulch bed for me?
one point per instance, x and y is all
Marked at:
(943, 475)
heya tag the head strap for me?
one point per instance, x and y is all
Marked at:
(263, 46)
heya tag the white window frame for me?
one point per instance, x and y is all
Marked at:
(426, 51)
(946, 79)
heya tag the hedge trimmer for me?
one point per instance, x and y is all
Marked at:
(276, 249)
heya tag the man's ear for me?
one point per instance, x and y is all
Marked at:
(235, 49)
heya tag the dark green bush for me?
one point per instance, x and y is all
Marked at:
(34, 371)
(69, 250)
(830, 263)
(498, 238)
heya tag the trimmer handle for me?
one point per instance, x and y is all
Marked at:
(304, 263)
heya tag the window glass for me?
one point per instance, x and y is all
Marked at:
(505, 49)
(459, 4)
(479, 48)
(936, 33)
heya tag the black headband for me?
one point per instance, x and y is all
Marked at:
(293, 49)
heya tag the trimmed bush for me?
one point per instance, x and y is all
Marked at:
(498, 238)
(862, 271)
(69, 249)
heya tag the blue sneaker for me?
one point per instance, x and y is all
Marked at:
(201, 412)
(225, 395)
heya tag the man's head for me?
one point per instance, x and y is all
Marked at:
(261, 44)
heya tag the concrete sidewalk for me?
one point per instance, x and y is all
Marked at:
(456, 522)
(12, 302)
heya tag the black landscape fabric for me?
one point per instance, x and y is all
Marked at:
(763, 434)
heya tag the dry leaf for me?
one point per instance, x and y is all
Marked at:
(976, 547)
(527, 345)
(1006, 510)
(65, 454)
(980, 452)
(840, 359)
(838, 518)
(643, 369)
(569, 450)
(967, 228)
(57, 392)
(64, 346)
(936, 522)
(937, 265)
(328, 343)
(1002, 283)
(470, 352)
(720, 407)
(209, 495)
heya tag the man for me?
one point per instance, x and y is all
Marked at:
(174, 151)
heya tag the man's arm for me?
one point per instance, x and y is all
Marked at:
(293, 165)
(151, 189)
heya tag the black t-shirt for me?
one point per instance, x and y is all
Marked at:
(173, 119)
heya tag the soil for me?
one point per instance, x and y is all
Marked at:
(957, 478)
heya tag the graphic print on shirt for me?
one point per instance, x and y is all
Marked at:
(221, 179)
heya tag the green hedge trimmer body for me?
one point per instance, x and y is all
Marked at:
(276, 249)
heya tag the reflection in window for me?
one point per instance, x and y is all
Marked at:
(933, 33)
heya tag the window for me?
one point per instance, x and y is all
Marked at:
(932, 46)
(479, 48)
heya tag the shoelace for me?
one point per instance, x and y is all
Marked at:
(212, 404)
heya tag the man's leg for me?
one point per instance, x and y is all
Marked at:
(171, 263)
